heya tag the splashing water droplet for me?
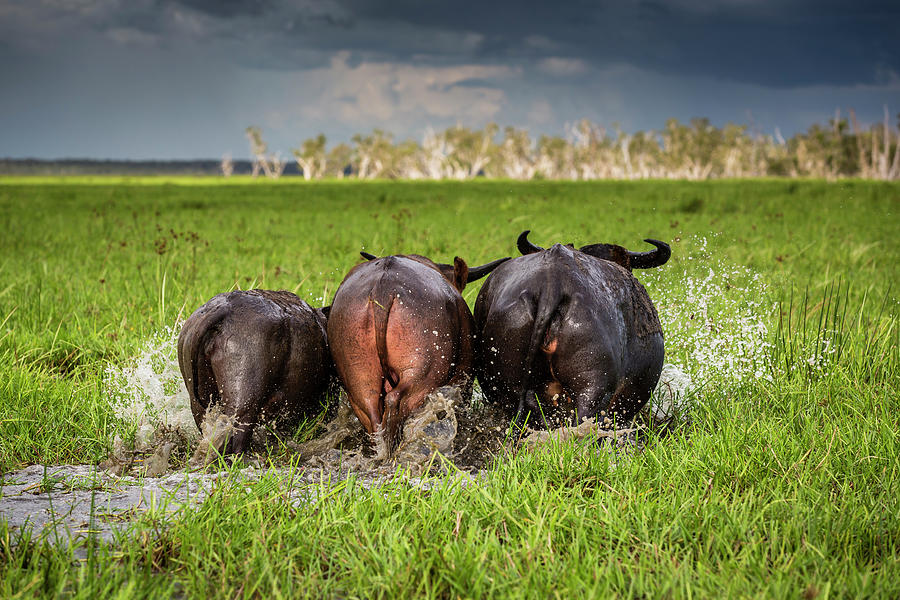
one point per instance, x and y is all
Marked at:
(149, 391)
(671, 398)
(715, 320)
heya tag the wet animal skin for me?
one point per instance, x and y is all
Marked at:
(572, 327)
(261, 355)
(398, 330)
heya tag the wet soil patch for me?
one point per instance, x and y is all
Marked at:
(446, 440)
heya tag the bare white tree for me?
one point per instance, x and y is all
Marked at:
(591, 149)
(874, 148)
(694, 150)
(258, 150)
(555, 159)
(372, 154)
(311, 157)
(435, 155)
(471, 150)
(277, 165)
(517, 154)
(894, 172)
(227, 165)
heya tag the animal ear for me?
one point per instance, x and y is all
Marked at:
(368, 256)
(460, 273)
(326, 310)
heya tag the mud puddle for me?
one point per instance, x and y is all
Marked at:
(66, 503)
(447, 441)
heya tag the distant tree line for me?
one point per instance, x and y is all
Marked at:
(84, 166)
(696, 150)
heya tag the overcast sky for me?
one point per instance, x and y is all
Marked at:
(174, 79)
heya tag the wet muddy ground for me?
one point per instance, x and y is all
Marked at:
(446, 440)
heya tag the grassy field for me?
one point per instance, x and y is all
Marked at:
(786, 483)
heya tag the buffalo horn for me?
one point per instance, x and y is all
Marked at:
(654, 258)
(525, 247)
(368, 256)
(479, 272)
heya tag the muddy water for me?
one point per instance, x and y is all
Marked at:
(64, 503)
(447, 440)
(444, 435)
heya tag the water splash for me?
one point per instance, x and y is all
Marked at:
(672, 398)
(715, 317)
(430, 433)
(431, 429)
(149, 391)
(215, 429)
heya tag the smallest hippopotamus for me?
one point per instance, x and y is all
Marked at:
(262, 356)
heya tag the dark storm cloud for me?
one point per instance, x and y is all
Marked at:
(228, 8)
(144, 17)
(167, 78)
(773, 43)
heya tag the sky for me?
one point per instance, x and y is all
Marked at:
(182, 79)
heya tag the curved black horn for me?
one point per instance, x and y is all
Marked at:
(479, 272)
(654, 258)
(368, 256)
(526, 247)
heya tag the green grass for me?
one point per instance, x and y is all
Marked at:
(782, 486)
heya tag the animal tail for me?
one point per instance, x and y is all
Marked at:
(549, 301)
(192, 343)
(381, 302)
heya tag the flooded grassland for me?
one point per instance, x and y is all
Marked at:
(716, 325)
(765, 464)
